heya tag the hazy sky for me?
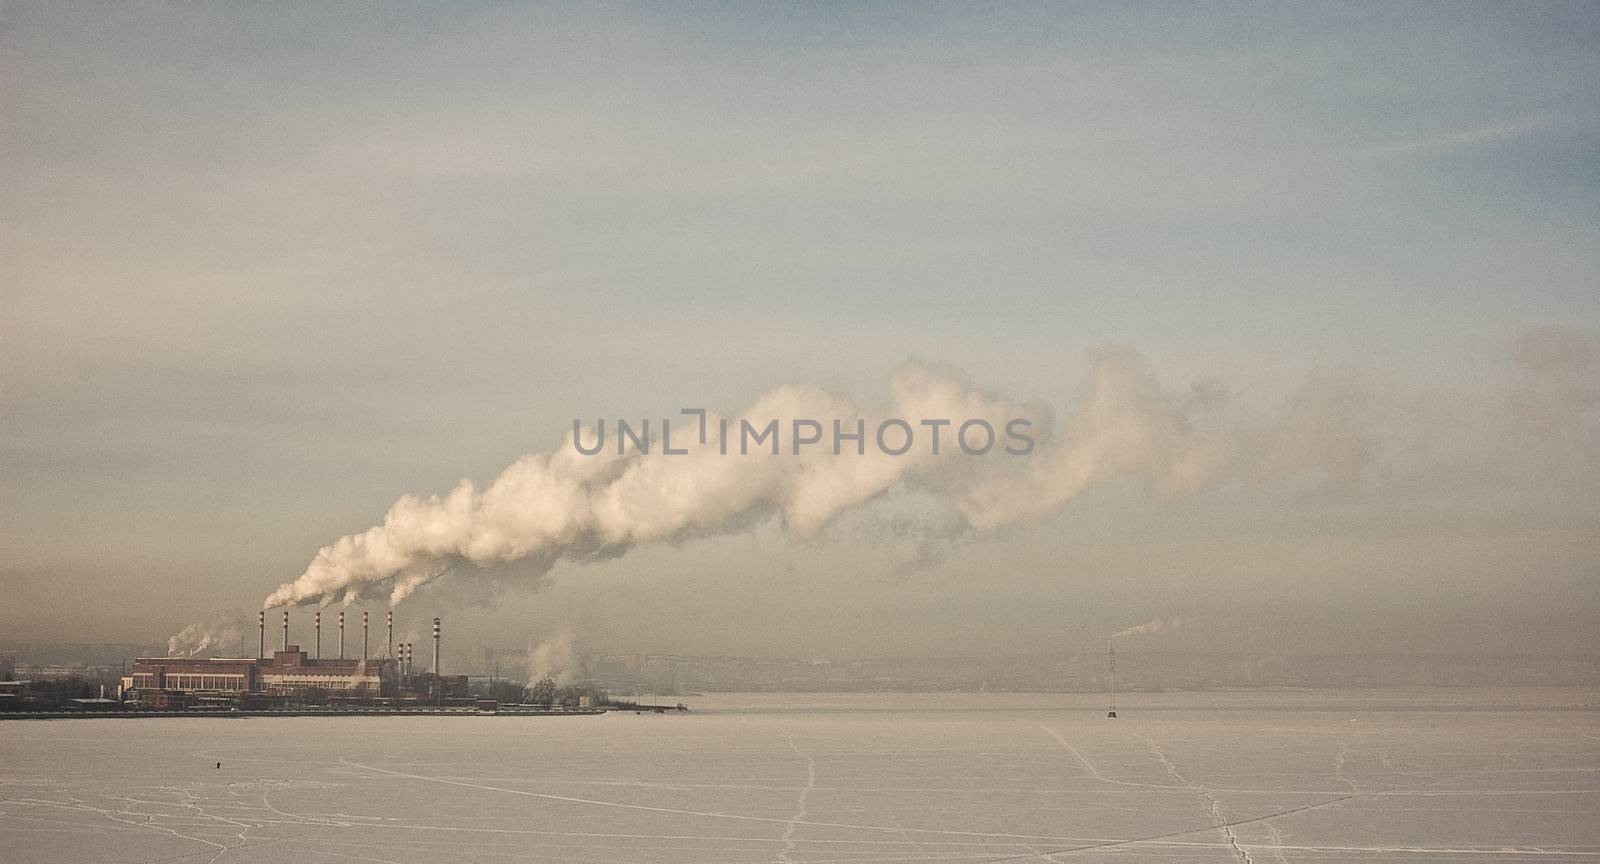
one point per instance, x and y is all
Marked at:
(266, 268)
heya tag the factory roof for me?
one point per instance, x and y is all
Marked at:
(294, 660)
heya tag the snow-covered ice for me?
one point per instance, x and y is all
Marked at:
(1449, 775)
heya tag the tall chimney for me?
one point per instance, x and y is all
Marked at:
(436, 646)
(1111, 678)
(261, 620)
(363, 636)
(341, 634)
(286, 629)
(316, 622)
(388, 646)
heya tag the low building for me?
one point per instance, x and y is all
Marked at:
(16, 695)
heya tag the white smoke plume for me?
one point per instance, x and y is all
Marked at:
(215, 638)
(563, 505)
(554, 658)
(1156, 626)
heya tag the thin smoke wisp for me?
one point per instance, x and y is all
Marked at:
(214, 638)
(1156, 626)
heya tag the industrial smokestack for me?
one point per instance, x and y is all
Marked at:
(261, 621)
(388, 645)
(316, 623)
(1157, 626)
(341, 634)
(364, 654)
(1111, 677)
(286, 629)
(436, 646)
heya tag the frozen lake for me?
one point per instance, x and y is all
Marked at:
(1457, 775)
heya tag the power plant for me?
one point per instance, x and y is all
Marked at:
(290, 674)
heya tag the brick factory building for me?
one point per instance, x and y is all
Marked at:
(285, 673)
(290, 671)
(214, 675)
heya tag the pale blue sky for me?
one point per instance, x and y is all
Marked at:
(265, 268)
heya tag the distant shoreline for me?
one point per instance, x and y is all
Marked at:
(299, 712)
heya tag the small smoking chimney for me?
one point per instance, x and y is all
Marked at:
(341, 634)
(285, 629)
(364, 654)
(316, 622)
(436, 646)
(1111, 678)
(261, 621)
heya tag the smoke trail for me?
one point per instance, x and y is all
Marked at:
(1155, 626)
(554, 658)
(220, 635)
(562, 505)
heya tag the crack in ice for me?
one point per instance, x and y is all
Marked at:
(800, 802)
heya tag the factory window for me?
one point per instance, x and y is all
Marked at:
(195, 681)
